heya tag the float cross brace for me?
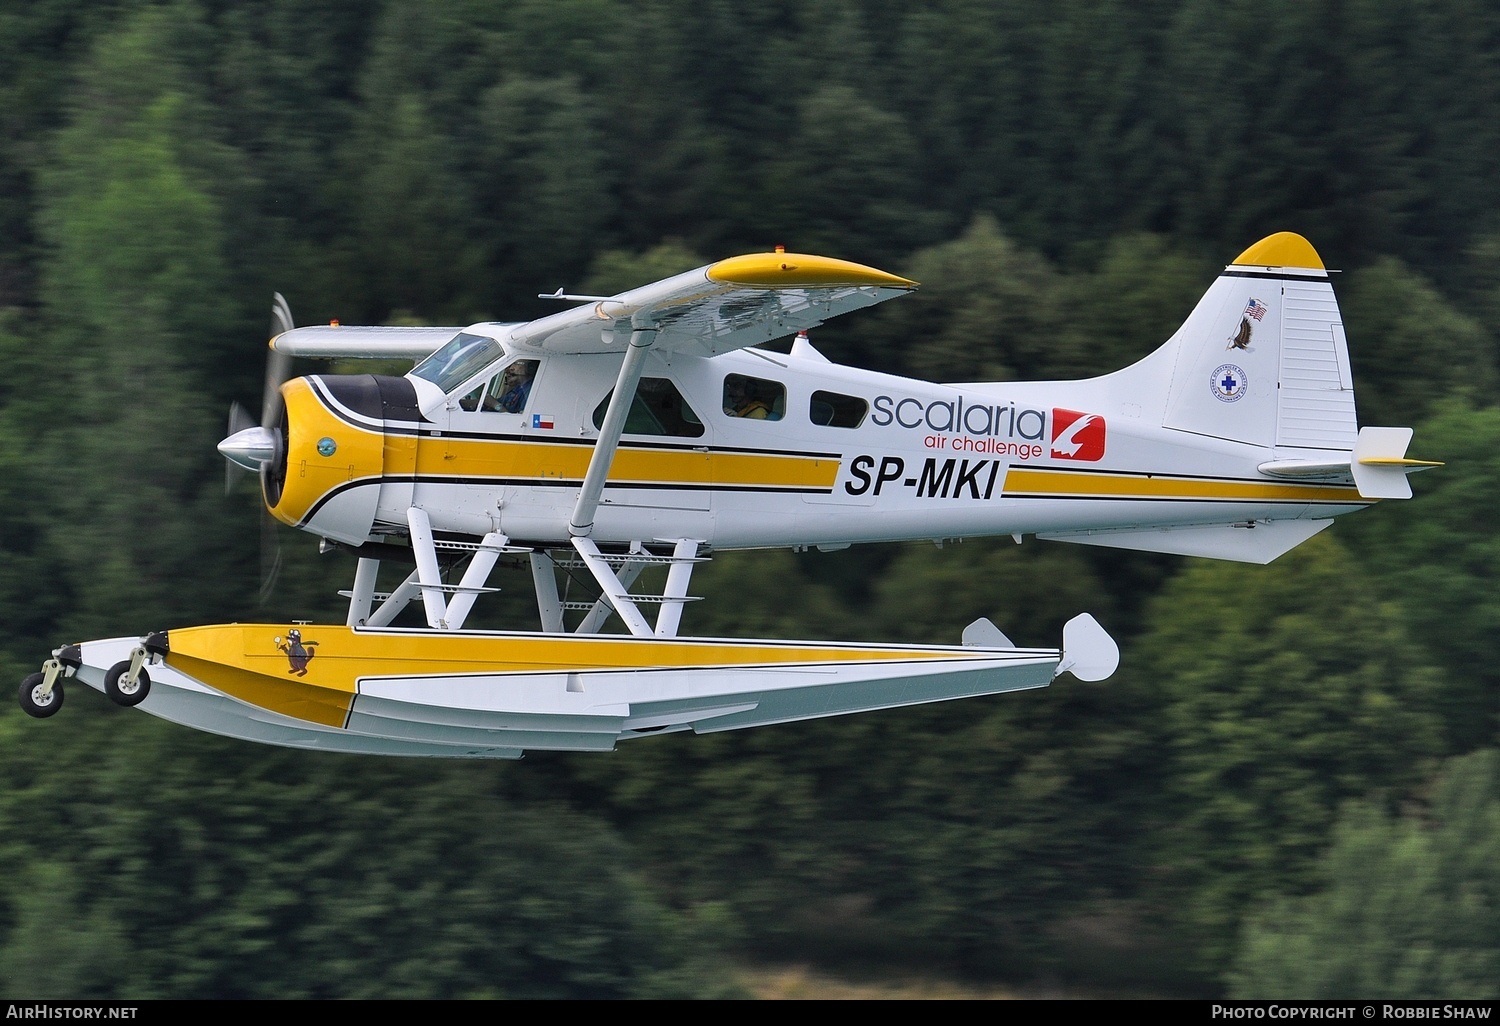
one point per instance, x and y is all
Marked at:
(443, 613)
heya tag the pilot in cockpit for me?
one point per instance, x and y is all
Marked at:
(514, 389)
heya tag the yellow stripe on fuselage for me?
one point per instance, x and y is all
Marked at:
(508, 458)
(248, 662)
(363, 454)
(1041, 482)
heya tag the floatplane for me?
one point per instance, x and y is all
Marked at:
(649, 430)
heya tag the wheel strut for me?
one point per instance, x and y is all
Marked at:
(127, 683)
(41, 694)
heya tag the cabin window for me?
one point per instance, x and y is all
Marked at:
(506, 392)
(658, 409)
(754, 398)
(829, 409)
(461, 358)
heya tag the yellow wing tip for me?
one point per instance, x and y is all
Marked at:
(787, 270)
(1284, 249)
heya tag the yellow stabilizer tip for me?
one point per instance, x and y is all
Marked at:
(772, 270)
(1284, 249)
(1399, 461)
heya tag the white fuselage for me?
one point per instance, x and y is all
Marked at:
(924, 461)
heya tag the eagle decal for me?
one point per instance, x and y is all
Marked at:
(1241, 339)
(1254, 311)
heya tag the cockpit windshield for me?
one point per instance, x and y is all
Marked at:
(459, 360)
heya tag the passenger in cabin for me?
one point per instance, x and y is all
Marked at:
(741, 401)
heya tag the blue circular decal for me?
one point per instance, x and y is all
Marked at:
(1229, 383)
(327, 447)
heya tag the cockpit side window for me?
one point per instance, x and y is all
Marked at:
(460, 359)
(506, 392)
(754, 398)
(658, 409)
(830, 409)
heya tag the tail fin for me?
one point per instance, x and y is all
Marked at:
(1262, 358)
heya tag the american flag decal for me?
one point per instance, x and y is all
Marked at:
(1256, 309)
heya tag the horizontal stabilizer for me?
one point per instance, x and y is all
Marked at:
(1338, 469)
(1088, 652)
(1259, 543)
(1380, 465)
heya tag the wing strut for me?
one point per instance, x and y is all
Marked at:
(581, 524)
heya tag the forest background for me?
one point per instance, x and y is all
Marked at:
(1291, 788)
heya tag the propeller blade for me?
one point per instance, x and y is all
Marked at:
(239, 418)
(270, 556)
(278, 365)
(249, 445)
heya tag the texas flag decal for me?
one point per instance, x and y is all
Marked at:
(541, 421)
(1077, 436)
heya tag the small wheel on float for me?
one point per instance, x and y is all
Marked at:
(37, 704)
(122, 693)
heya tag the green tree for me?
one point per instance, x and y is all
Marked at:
(955, 834)
(134, 283)
(986, 310)
(34, 594)
(284, 77)
(1437, 557)
(1285, 692)
(156, 862)
(541, 181)
(1142, 290)
(1408, 346)
(614, 271)
(33, 41)
(414, 249)
(846, 179)
(1405, 908)
(928, 594)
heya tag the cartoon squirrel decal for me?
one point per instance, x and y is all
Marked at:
(298, 652)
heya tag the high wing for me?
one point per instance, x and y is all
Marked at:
(717, 308)
(333, 341)
(727, 305)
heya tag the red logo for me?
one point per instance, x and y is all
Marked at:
(1077, 436)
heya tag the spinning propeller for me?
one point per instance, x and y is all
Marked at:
(255, 447)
